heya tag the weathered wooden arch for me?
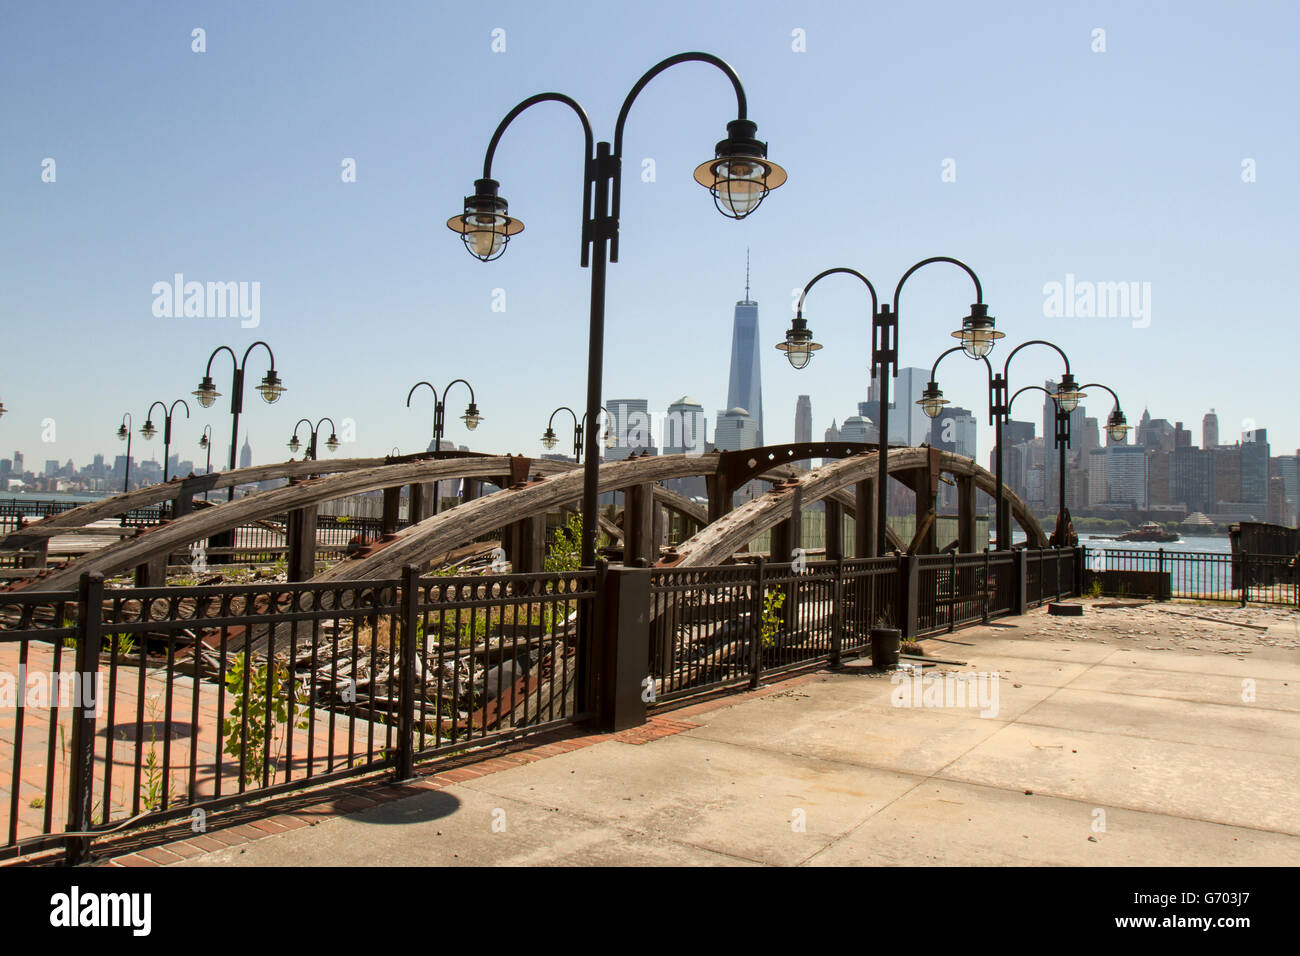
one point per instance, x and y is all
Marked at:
(538, 486)
(720, 539)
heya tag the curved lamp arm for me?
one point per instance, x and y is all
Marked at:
(741, 104)
(172, 411)
(301, 421)
(149, 414)
(979, 291)
(436, 399)
(563, 408)
(461, 381)
(957, 348)
(603, 409)
(1027, 388)
(207, 372)
(1106, 387)
(249, 351)
(1007, 364)
(333, 428)
(875, 304)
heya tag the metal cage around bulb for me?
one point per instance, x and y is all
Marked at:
(471, 418)
(294, 444)
(1117, 426)
(798, 345)
(1068, 394)
(485, 226)
(978, 334)
(332, 443)
(206, 393)
(740, 175)
(148, 431)
(271, 388)
(932, 400)
(548, 438)
(121, 433)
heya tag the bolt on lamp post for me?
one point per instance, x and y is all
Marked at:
(471, 418)
(148, 430)
(1066, 397)
(549, 440)
(270, 388)
(977, 334)
(332, 443)
(739, 176)
(124, 434)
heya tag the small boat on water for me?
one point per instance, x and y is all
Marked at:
(1149, 531)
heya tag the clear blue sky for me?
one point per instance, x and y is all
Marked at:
(1115, 166)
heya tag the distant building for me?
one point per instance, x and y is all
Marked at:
(803, 420)
(859, 429)
(1126, 476)
(735, 430)
(685, 428)
(631, 427)
(246, 455)
(954, 430)
(1210, 430)
(745, 381)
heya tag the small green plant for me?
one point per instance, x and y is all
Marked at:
(154, 779)
(1095, 589)
(773, 601)
(37, 803)
(565, 552)
(123, 645)
(269, 701)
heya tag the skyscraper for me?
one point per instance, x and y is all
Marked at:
(631, 426)
(246, 454)
(1210, 430)
(803, 419)
(745, 383)
(684, 428)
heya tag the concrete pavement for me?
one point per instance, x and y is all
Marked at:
(1106, 749)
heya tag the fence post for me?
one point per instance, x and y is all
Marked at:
(908, 579)
(410, 603)
(85, 708)
(1080, 564)
(1245, 576)
(837, 613)
(1161, 592)
(1059, 552)
(1021, 603)
(984, 590)
(625, 649)
(953, 590)
(756, 645)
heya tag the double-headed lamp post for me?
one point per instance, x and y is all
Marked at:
(738, 176)
(148, 430)
(124, 434)
(332, 443)
(471, 418)
(977, 335)
(271, 388)
(550, 440)
(1066, 399)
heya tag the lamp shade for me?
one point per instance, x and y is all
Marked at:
(484, 226)
(740, 175)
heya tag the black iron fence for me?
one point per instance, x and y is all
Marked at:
(149, 704)
(1164, 573)
(140, 705)
(720, 626)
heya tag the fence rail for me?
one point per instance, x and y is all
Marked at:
(1196, 575)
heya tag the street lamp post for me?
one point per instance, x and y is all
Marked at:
(148, 430)
(1066, 398)
(550, 440)
(977, 334)
(332, 443)
(471, 418)
(124, 434)
(739, 177)
(206, 443)
(271, 388)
